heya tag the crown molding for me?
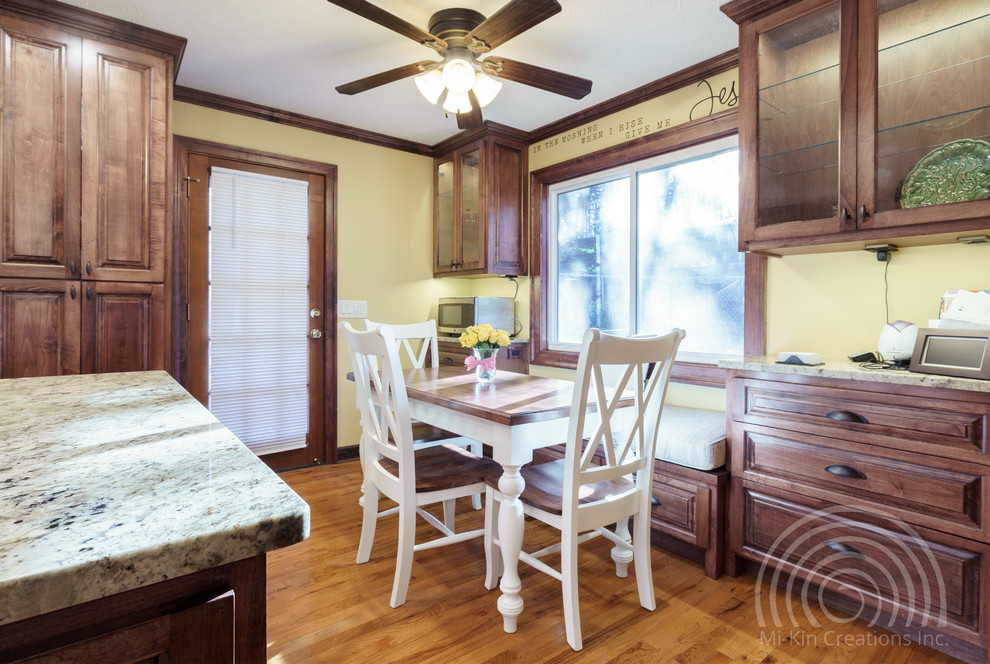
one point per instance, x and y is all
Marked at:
(100, 25)
(290, 119)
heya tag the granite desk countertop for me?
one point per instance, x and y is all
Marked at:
(110, 482)
(843, 368)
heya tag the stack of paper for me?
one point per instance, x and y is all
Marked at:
(966, 309)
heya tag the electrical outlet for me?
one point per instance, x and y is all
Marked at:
(883, 251)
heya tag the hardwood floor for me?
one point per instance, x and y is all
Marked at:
(323, 607)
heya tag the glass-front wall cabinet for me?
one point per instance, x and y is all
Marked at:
(471, 208)
(862, 120)
(444, 212)
(458, 214)
(478, 214)
(799, 118)
(933, 94)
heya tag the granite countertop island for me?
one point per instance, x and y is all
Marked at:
(112, 482)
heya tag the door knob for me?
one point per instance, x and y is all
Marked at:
(314, 313)
(315, 334)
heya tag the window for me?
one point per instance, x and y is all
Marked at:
(650, 247)
(640, 238)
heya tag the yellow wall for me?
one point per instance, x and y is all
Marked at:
(833, 304)
(827, 303)
(384, 223)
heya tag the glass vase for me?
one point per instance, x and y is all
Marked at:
(484, 371)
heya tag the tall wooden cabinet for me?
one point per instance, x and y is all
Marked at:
(479, 221)
(85, 173)
(840, 100)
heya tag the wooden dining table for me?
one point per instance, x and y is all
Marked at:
(515, 415)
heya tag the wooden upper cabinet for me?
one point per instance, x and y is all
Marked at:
(125, 142)
(39, 144)
(479, 220)
(840, 100)
(85, 147)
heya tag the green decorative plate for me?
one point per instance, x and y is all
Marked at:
(955, 172)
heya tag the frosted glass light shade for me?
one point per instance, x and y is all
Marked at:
(485, 88)
(430, 85)
(458, 75)
(456, 102)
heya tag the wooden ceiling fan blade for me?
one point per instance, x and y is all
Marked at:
(509, 21)
(537, 77)
(376, 80)
(472, 118)
(390, 21)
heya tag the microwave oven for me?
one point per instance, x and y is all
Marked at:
(456, 314)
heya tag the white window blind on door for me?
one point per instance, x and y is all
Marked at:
(259, 313)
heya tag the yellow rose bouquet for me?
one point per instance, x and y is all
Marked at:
(484, 337)
(484, 342)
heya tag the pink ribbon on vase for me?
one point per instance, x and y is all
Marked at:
(487, 364)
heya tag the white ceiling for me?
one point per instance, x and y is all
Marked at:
(290, 54)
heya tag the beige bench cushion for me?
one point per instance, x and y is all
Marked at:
(692, 437)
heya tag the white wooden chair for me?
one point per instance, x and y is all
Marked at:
(581, 499)
(412, 478)
(424, 434)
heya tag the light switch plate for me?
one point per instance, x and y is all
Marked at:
(352, 309)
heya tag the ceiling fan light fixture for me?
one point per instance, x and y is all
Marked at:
(458, 75)
(431, 85)
(485, 88)
(457, 102)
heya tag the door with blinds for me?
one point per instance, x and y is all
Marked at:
(257, 305)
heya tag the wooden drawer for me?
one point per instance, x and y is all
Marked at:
(883, 566)
(940, 493)
(954, 427)
(512, 358)
(682, 510)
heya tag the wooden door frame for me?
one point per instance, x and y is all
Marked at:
(183, 146)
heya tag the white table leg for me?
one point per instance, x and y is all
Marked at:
(510, 532)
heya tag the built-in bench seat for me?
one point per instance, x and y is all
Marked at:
(690, 483)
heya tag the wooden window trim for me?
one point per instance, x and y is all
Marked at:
(683, 136)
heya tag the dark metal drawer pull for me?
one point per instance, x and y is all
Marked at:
(655, 501)
(841, 547)
(845, 471)
(846, 416)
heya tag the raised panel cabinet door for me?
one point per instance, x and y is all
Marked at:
(39, 150)
(125, 132)
(39, 328)
(506, 236)
(123, 327)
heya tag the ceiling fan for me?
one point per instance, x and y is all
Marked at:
(459, 36)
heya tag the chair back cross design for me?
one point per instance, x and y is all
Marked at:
(393, 465)
(625, 379)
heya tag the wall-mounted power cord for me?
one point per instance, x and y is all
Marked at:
(515, 321)
(884, 252)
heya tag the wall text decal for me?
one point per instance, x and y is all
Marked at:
(712, 95)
